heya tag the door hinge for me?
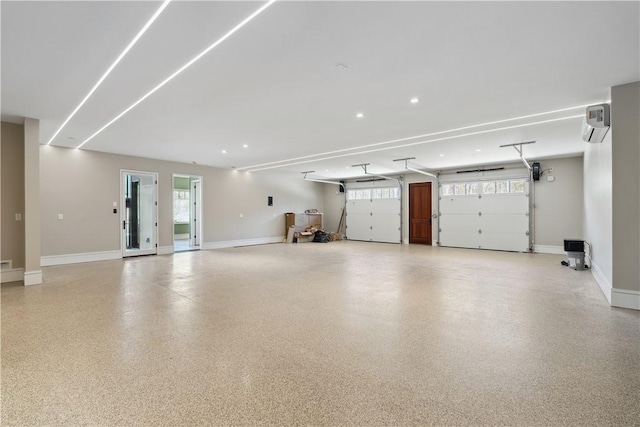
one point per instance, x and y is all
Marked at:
(156, 245)
(156, 182)
(156, 224)
(156, 203)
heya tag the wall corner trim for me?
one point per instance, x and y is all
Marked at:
(602, 281)
(547, 249)
(33, 278)
(13, 275)
(625, 298)
(50, 260)
(243, 242)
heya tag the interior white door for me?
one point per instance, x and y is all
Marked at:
(195, 213)
(486, 220)
(139, 213)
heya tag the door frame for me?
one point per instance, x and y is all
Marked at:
(123, 248)
(430, 184)
(200, 226)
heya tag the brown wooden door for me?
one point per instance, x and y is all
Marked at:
(420, 213)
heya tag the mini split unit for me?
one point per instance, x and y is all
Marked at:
(596, 123)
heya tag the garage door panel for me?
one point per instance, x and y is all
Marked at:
(506, 223)
(460, 222)
(504, 220)
(460, 239)
(458, 205)
(375, 220)
(386, 206)
(505, 241)
(504, 204)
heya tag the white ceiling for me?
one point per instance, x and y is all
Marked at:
(276, 84)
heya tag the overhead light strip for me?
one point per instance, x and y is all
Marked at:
(417, 136)
(116, 62)
(418, 142)
(181, 69)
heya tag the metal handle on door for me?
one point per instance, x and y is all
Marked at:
(124, 225)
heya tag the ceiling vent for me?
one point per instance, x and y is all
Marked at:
(596, 123)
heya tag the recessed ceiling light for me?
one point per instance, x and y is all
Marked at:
(441, 155)
(478, 150)
(245, 146)
(224, 151)
(347, 167)
(414, 100)
(359, 115)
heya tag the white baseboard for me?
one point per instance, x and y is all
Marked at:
(50, 260)
(181, 236)
(602, 281)
(405, 241)
(243, 242)
(12, 275)
(547, 249)
(32, 278)
(165, 250)
(625, 298)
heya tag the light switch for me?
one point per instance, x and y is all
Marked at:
(18, 217)
(115, 204)
(60, 216)
(551, 178)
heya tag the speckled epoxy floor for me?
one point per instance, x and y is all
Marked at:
(344, 333)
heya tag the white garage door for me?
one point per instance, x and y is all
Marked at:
(373, 214)
(485, 214)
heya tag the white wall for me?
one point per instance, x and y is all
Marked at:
(598, 211)
(82, 185)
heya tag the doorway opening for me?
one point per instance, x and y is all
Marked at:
(139, 213)
(187, 212)
(420, 226)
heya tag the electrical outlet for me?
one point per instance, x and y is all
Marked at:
(60, 216)
(241, 215)
(18, 217)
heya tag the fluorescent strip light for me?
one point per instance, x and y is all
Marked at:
(118, 59)
(418, 136)
(324, 181)
(184, 67)
(419, 142)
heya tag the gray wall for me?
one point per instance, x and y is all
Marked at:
(333, 201)
(625, 128)
(12, 169)
(559, 204)
(82, 185)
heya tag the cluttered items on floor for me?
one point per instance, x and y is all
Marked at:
(308, 227)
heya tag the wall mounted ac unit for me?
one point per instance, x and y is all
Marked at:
(596, 123)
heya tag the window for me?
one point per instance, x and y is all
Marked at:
(181, 206)
(502, 187)
(516, 186)
(472, 188)
(447, 190)
(489, 187)
(460, 189)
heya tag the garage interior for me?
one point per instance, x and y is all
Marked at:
(473, 167)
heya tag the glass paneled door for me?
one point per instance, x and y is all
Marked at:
(139, 213)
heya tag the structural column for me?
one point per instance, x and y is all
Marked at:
(32, 225)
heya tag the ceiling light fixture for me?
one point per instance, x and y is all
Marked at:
(414, 100)
(441, 155)
(118, 59)
(184, 67)
(255, 169)
(245, 146)
(359, 115)
(478, 150)
(224, 151)
(417, 136)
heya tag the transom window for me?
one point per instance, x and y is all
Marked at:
(501, 186)
(373, 193)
